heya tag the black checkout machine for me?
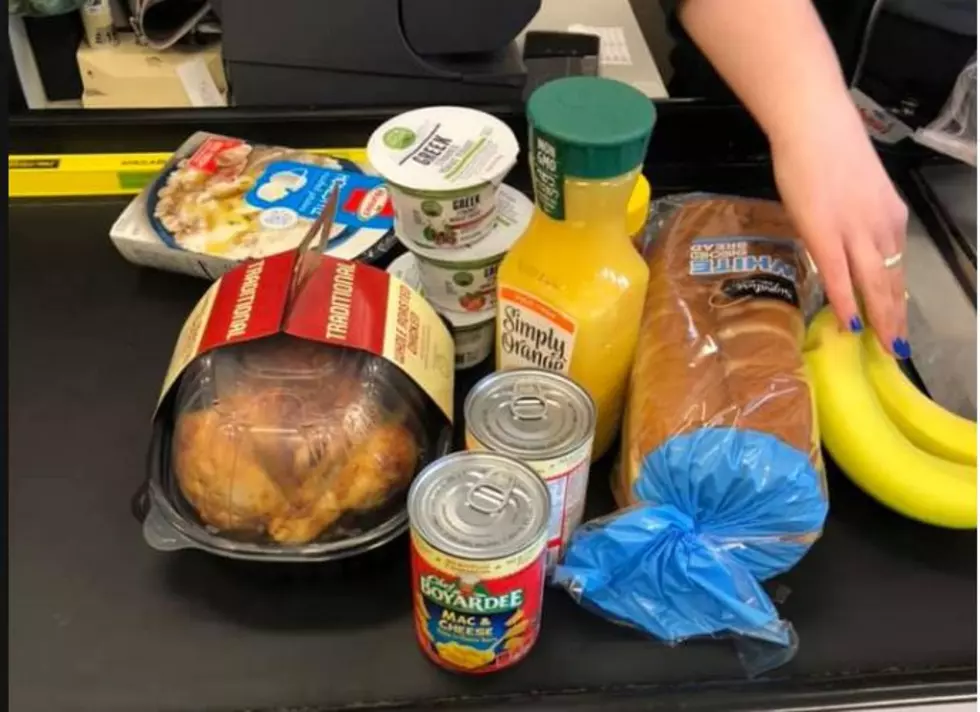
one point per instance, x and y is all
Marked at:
(407, 52)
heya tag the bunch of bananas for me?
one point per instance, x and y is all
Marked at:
(888, 437)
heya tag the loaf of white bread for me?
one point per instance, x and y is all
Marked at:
(722, 331)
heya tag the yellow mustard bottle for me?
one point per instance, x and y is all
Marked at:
(571, 289)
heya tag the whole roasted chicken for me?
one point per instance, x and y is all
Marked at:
(283, 438)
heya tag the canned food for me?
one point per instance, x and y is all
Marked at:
(548, 422)
(479, 523)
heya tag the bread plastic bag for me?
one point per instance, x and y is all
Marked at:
(954, 131)
(720, 475)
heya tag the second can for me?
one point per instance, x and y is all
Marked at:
(546, 421)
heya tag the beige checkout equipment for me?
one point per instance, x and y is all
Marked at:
(131, 76)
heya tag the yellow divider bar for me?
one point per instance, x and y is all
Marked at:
(92, 174)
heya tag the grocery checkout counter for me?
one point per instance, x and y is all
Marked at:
(885, 608)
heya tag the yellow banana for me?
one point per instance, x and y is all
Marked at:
(927, 424)
(870, 448)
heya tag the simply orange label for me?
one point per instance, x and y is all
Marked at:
(532, 333)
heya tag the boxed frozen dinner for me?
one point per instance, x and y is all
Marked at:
(222, 200)
(304, 394)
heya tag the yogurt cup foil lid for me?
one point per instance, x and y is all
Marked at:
(443, 149)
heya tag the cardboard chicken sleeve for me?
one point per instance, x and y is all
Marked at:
(303, 395)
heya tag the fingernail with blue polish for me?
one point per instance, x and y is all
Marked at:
(901, 348)
(855, 324)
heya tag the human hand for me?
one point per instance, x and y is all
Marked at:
(850, 218)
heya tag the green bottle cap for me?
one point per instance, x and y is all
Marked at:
(584, 127)
(601, 127)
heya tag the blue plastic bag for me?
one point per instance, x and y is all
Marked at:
(693, 564)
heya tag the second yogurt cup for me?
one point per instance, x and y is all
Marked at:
(472, 333)
(443, 166)
(465, 280)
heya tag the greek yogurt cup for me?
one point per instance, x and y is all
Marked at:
(443, 166)
(465, 280)
(472, 333)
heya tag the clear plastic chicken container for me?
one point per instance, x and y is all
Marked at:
(285, 449)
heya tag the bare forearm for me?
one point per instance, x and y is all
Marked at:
(776, 56)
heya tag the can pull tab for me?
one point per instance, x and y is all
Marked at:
(528, 405)
(491, 497)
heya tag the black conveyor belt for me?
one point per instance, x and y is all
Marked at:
(100, 622)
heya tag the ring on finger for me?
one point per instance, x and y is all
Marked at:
(893, 261)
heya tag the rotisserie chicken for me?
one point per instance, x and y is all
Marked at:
(285, 445)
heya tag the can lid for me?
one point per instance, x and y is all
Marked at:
(529, 413)
(479, 505)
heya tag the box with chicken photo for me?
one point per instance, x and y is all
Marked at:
(221, 200)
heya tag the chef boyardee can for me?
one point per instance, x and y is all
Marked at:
(479, 522)
(546, 421)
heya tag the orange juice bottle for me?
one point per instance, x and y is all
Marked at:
(571, 289)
